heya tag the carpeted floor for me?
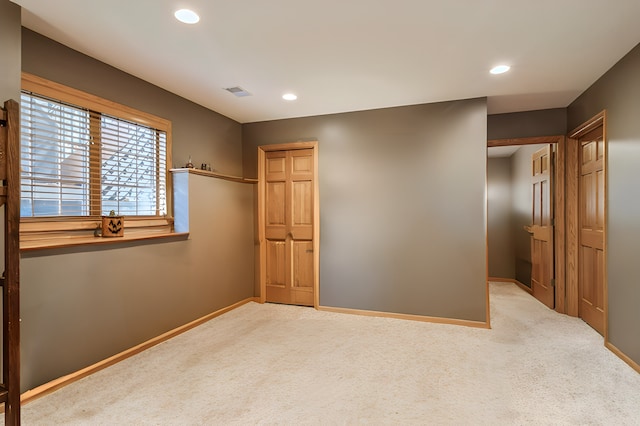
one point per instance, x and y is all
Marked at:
(274, 364)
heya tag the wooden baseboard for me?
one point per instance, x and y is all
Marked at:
(56, 384)
(622, 356)
(411, 317)
(514, 281)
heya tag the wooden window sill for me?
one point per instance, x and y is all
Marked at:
(39, 234)
(75, 241)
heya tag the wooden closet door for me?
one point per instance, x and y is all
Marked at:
(591, 246)
(289, 226)
(542, 265)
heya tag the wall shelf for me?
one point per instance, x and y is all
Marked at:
(214, 175)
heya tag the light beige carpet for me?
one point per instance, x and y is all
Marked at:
(274, 364)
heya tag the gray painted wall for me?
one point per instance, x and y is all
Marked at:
(9, 51)
(618, 91)
(546, 122)
(82, 305)
(402, 205)
(499, 239)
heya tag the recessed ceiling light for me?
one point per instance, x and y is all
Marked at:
(289, 97)
(187, 16)
(500, 69)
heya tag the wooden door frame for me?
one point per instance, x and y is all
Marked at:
(559, 197)
(262, 150)
(573, 218)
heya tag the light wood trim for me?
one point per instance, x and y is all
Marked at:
(95, 160)
(589, 125)
(605, 170)
(262, 150)
(410, 317)
(513, 281)
(215, 175)
(69, 241)
(559, 225)
(523, 141)
(261, 226)
(169, 162)
(54, 90)
(622, 356)
(487, 301)
(289, 146)
(316, 228)
(53, 224)
(572, 218)
(56, 384)
(55, 232)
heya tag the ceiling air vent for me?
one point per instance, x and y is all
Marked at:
(238, 91)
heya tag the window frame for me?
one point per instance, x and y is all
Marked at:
(44, 232)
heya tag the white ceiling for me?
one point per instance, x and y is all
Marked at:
(348, 55)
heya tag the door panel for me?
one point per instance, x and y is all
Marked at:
(275, 167)
(302, 203)
(303, 264)
(276, 217)
(301, 180)
(301, 164)
(276, 203)
(289, 226)
(275, 195)
(591, 223)
(276, 263)
(542, 265)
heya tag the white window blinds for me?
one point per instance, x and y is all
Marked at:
(133, 171)
(77, 162)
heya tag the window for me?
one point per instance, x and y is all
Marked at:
(80, 162)
(83, 156)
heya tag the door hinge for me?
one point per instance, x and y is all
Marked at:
(553, 282)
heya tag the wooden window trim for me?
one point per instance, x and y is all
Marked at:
(64, 232)
(52, 232)
(54, 90)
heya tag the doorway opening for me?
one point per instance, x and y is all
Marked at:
(578, 222)
(524, 187)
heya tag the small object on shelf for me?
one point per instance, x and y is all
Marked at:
(189, 164)
(112, 225)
